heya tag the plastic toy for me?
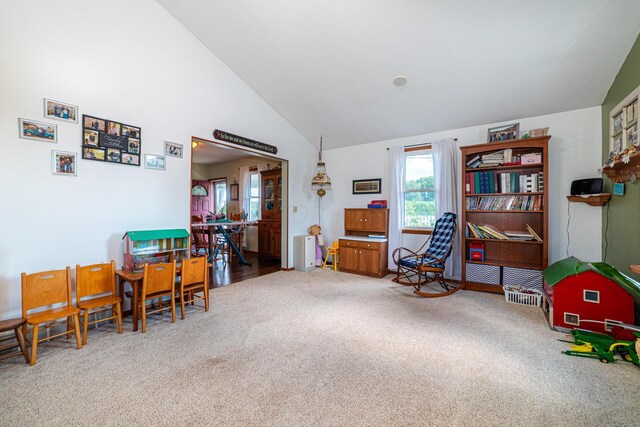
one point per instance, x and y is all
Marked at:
(603, 347)
(594, 296)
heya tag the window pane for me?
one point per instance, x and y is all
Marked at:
(419, 172)
(253, 210)
(221, 197)
(419, 209)
(255, 185)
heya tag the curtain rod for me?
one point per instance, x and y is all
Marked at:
(422, 143)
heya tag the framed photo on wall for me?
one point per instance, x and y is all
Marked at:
(64, 163)
(172, 149)
(155, 161)
(110, 141)
(38, 131)
(367, 186)
(60, 111)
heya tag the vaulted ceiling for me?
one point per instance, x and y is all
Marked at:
(327, 66)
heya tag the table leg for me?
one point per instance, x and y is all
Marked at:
(134, 304)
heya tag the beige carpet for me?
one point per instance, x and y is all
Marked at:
(324, 348)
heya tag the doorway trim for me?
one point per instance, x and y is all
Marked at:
(284, 222)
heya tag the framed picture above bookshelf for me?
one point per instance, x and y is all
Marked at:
(505, 212)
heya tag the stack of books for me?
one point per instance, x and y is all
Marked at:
(488, 231)
(504, 203)
(377, 204)
(504, 182)
(491, 159)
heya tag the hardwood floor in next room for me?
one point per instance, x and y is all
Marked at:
(233, 272)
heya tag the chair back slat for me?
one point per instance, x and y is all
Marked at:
(158, 278)
(442, 237)
(95, 279)
(194, 270)
(45, 288)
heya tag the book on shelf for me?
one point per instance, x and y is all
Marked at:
(488, 182)
(377, 236)
(488, 231)
(533, 233)
(504, 203)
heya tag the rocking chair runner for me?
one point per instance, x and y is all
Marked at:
(419, 269)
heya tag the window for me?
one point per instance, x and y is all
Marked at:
(419, 196)
(572, 319)
(591, 296)
(220, 191)
(254, 200)
(609, 324)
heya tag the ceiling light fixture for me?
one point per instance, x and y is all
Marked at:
(399, 80)
(321, 180)
(194, 144)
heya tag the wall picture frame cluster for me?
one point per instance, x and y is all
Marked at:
(110, 141)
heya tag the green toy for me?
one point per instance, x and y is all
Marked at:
(602, 346)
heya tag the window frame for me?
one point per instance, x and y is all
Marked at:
(416, 150)
(610, 323)
(214, 194)
(571, 314)
(584, 296)
(257, 174)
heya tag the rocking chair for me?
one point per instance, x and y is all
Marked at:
(421, 269)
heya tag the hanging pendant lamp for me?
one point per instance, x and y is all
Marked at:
(320, 181)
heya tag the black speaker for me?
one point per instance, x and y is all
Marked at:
(586, 186)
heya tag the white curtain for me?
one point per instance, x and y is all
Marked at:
(244, 185)
(445, 166)
(396, 199)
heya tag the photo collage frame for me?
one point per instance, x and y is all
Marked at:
(110, 141)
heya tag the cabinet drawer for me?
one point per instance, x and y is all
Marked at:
(360, 244)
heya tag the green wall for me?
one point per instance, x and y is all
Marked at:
(623, 234)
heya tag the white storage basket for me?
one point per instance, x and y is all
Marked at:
(522, 296)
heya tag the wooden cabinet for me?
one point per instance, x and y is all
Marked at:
(269, 226)
(508, 206)
(358, 253)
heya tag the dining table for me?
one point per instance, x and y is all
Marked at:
(227, 229)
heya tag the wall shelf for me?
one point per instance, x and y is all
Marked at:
(622, 172)
(592, 199)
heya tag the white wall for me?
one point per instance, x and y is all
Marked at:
(574, 152)
(129, 61)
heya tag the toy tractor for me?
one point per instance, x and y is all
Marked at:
(603, 347)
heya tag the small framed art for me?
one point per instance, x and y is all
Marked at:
(110, 141)
(64, 163)
(234, 190)
(38, 131)
(60, 111)
(503, 133)
(155, 161)
(367, 186)
(172, 149)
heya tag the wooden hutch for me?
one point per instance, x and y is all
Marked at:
(359, 253)
(505, 208)
(270, 223)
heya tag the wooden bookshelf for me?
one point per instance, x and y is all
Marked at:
(506, 261)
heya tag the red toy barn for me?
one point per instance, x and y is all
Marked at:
(593, 296)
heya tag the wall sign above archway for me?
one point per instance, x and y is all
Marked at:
(245, 142)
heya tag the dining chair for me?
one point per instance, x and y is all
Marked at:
(40, 291)
(193, 278)
(96, 290)
(159, 281)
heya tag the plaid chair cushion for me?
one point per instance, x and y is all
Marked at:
(412, 264)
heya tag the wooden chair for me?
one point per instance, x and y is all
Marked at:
(159, 281)
(334, 251)
(15, 325)
(96, 290)
(44, 289)
(194, 278)
(421, 269)
(200, 243)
